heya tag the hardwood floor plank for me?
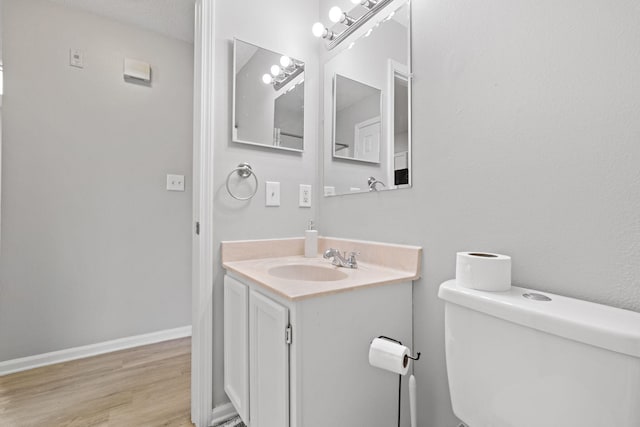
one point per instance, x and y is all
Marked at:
(143, 386)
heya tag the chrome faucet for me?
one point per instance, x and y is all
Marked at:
(373, 182)
(341, 260)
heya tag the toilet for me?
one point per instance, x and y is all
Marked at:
(522, 358)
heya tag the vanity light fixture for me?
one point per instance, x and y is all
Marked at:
(337, 16)
(282, 74)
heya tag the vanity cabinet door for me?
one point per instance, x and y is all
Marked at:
(236, 345)
(269, 362)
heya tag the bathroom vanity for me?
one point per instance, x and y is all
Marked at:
(297, 331)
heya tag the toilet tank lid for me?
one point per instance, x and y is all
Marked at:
(600, 325)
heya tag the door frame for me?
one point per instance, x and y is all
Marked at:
(202, 241)
(394, 69)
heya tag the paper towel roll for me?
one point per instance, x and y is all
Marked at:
(389, 355)
(483, 271)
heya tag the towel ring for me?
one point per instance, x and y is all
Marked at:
(244, 171)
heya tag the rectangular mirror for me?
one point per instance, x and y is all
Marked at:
(268, 98)
(367, 105)
(357, 111)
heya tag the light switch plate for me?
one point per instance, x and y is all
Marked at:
(304, 200)
(272, 193)
(329, 190)
(175, 182)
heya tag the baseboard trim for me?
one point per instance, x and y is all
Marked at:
(60, 356)
(222, 413)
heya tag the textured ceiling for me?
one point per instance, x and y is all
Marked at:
(173, 18)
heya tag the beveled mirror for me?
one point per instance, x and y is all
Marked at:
(268, 98)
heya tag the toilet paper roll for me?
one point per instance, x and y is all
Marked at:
(483, 271)
(388, 355)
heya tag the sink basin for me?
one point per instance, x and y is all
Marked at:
(314, 273)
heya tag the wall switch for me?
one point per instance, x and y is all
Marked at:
(272, 194)
(305, 196)
(76, 58)
(175, 182)
(329, 190)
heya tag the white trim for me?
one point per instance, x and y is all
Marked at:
(203, 191)
(222, 413)
(395, 68)
(60, 356)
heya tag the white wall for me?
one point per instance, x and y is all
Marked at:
(281, 26)
(526, 142)
(93, 246)
(289, 113)
(255, 108)
(348, 117)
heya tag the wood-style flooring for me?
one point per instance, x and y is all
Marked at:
(143, 386)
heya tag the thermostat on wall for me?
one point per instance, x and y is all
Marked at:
(137, 71)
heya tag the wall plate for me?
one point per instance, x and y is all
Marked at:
(304, 199)
(272, 193)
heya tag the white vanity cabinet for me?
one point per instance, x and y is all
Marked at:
(268, 362)
(255, 342)
(304, 362)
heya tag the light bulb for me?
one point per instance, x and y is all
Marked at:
(335, 14)
(275, 70)
(285, 61)
(318, 29)
(267, 79)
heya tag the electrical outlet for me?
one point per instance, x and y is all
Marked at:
(305, 196)
(272, 193)
(175, 182)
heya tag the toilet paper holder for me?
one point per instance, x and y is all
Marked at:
(417, 356)
(405, 362)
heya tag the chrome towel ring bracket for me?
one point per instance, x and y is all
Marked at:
(244, 171)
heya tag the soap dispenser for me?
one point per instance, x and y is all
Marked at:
(310, 241)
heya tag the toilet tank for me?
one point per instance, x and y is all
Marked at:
(519, 362)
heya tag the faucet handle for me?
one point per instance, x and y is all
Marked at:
(352, 258)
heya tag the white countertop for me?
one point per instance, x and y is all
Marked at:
(250, 260)
(364, 276)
